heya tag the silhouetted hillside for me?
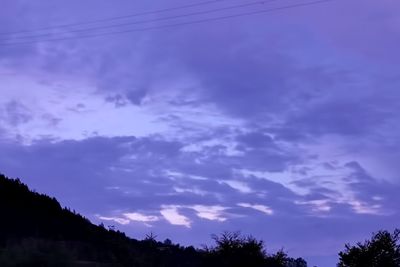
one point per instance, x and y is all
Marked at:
(36, 231)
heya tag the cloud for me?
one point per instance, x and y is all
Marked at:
(15, 113)
(318, 206)
(122, 221)
(171, 214)
(213, 213)
(238, 185)
(138, 217)
(262, 208)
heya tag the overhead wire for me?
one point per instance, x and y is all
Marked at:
(88, 22)
(260, 2)
(220, 18)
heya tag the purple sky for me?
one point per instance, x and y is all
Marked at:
(284, 125)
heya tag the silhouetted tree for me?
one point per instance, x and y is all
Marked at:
(232, 249)
(383, 250)
(168, 242)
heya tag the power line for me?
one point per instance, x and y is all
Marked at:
(143, 21)
(164, 10)
(177, 24)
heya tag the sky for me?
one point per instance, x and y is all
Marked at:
(175, 121)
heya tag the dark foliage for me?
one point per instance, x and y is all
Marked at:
(36, 231)
(383, 250)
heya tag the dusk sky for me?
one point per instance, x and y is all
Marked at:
(195, 118)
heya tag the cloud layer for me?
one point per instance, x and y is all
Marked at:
(284, 126)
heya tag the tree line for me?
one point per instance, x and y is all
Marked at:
(36, 231)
